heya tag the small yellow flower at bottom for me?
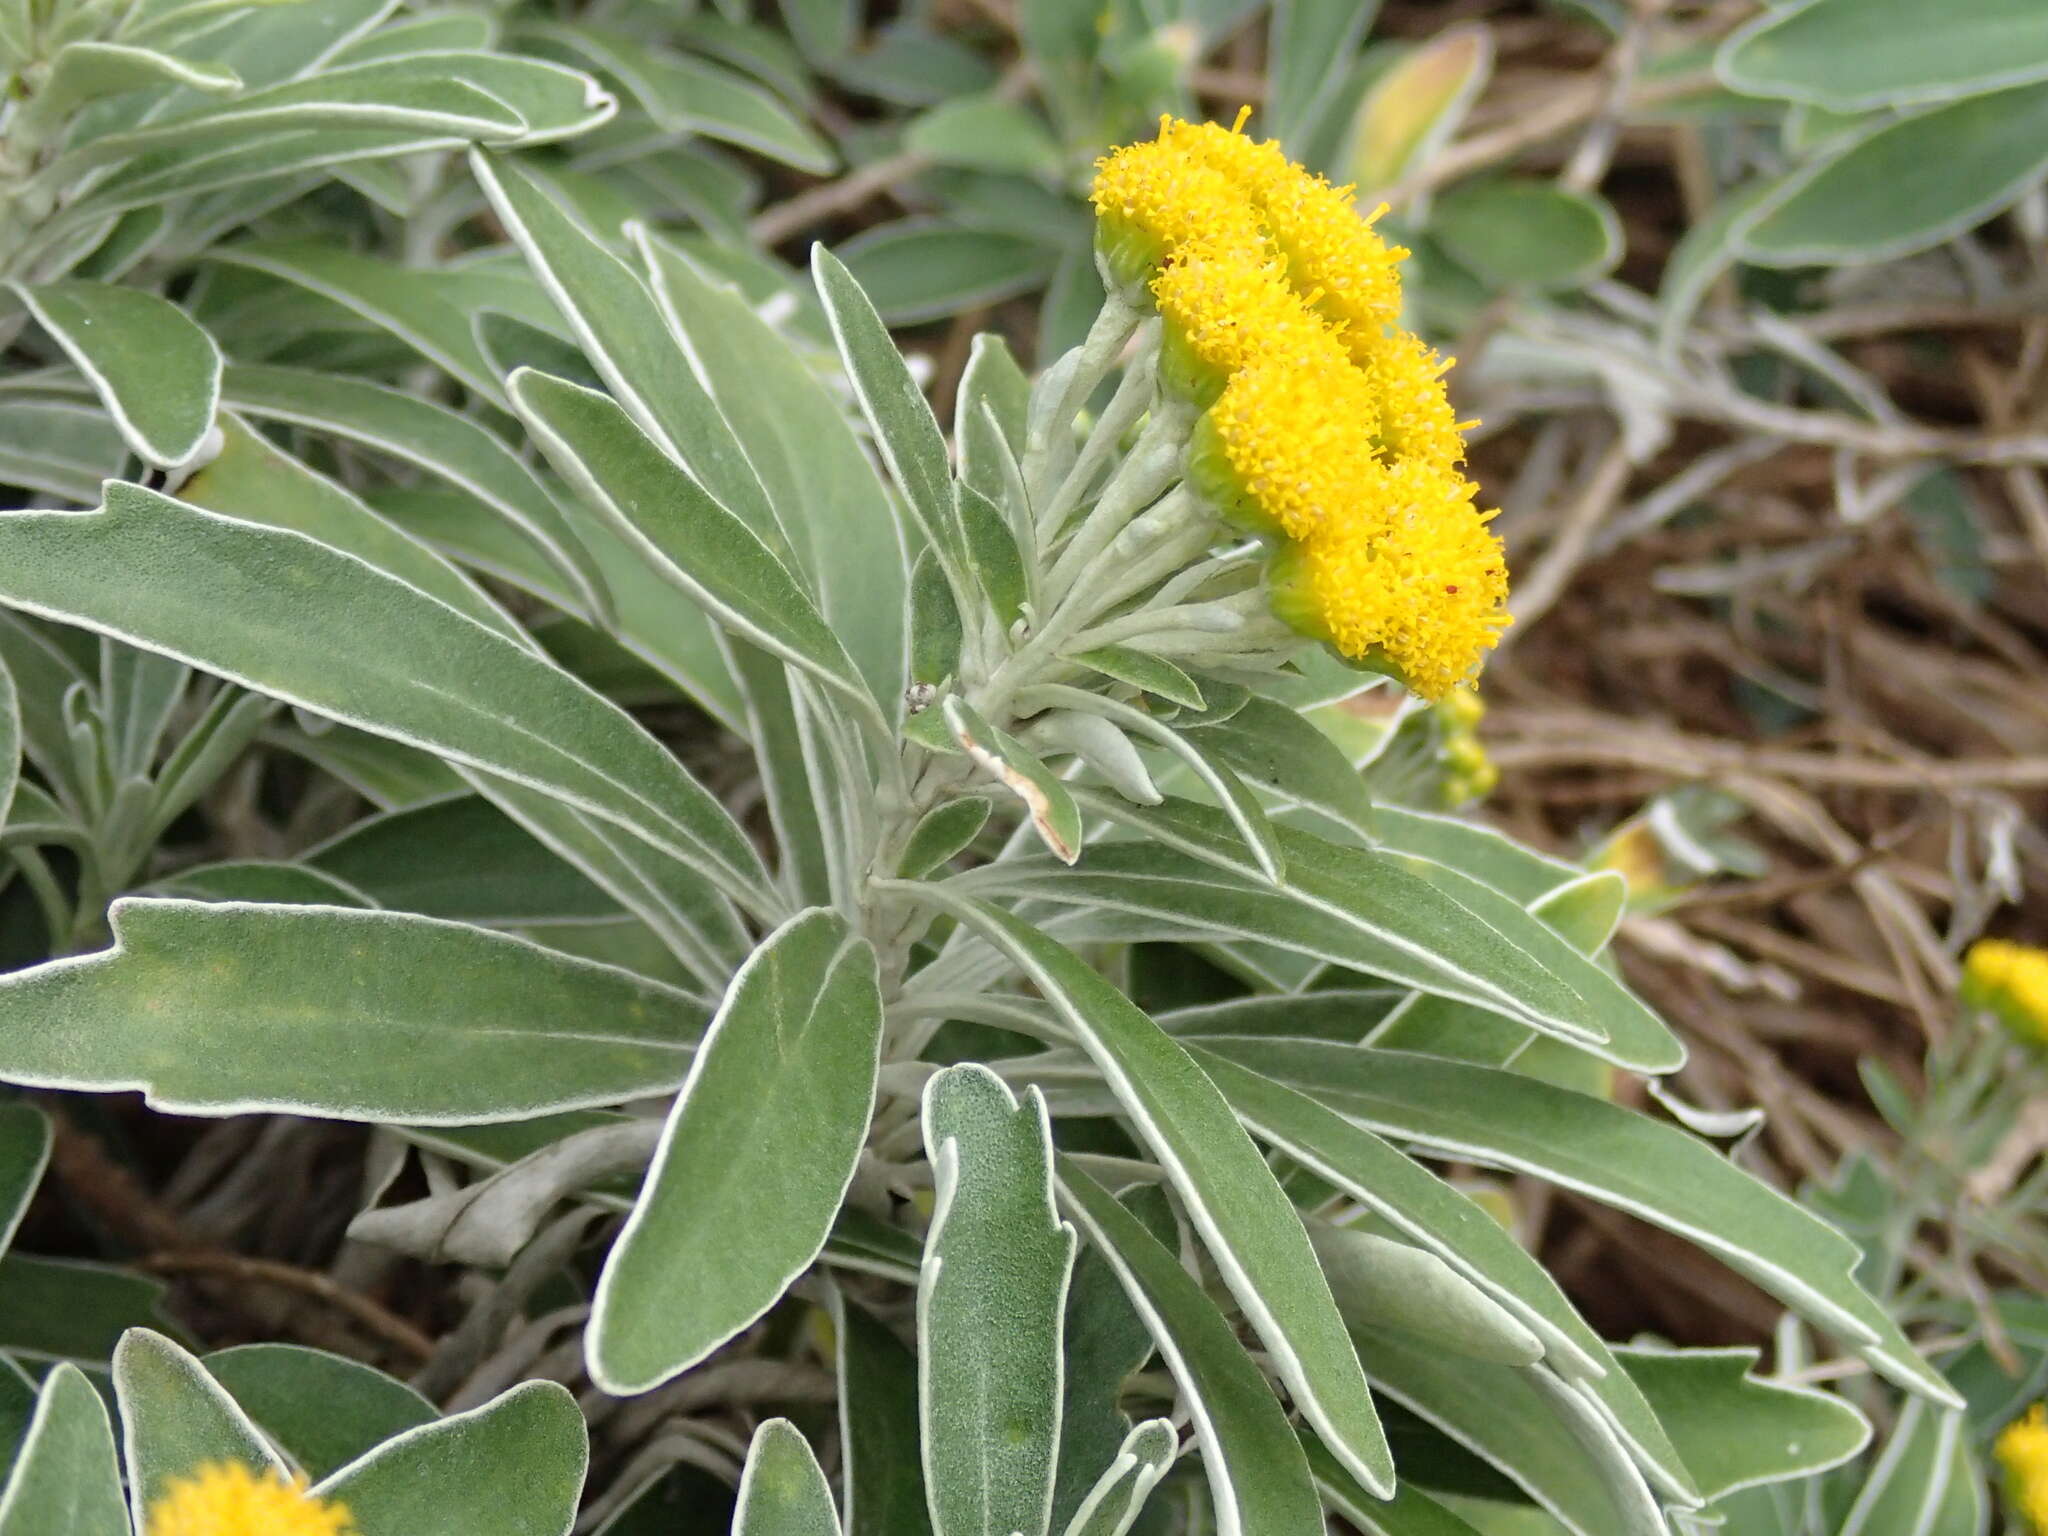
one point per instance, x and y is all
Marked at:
(227, 1498)
(2011, 980)
(2022, 1450)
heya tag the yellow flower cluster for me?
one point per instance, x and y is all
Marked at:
(1329, 429)
(2023, 1452)
(2011, 980)
(227, 1498)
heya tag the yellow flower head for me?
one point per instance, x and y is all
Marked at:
(1415, 418)
(227, 1498)
(1224, 312)
(1279, 452)
(1415, 582)
(1154, 200)
(2011, 980)
(1331, 250)
(2022, 1451)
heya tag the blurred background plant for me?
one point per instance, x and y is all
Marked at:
(1749, 299)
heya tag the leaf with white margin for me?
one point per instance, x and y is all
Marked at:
(1119, 1497)
(1257, 1474)
(428, 436)
(322, 1410)
(175, 1418)
(1616, 1156)
(758, 1152)
(1245, 1219)
(155, 370)
(24, 1154)
(1433, 1215)
(513, 1467)
(783, 1491)
(1409, 1513)
(66, 1479)
(1528, 1423)
(991, 1301)
(286, 615)
(878, 1428)
(228, 1008)
(707, 552)
(1737, 1430)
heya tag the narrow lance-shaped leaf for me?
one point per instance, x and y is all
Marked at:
(905, 429)
(1434, 1216)
(1256, 1471)
(1246, 1221)
(10, 740)
(286, 615)
(155, 370)
(1617, 1156)
(783, 1491)
(991, 1301)
(755, 1159)
(230, 1008)
(430, 437)
(1051, 808)
(700, 546)
(66, 1480)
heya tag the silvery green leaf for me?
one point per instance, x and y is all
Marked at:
(1256, 1472)
(1737, 1430)
(254, 480)
(1254, 830)
(24, 1153)
(782, 1489)
(323, 1410)
(10, 739)
(1117, 1500)
(1925, 1482)
(905, 429)
(431, 437)
(841, 523)
(1380, 1283)
(627, 339)
(1652, 1170)
(175, 1418)
(231, 597)
(1102, 746)
(1430, 1213)
(1278, 748)
(229, 1008)
(943, 833)
(1529, 1424)
(513, 1467)
(705, 550)
(1150, 674)
(1245, 1220)
(755, 1160)
(991, 1305)
(1106, 1340)
(85, 71)
(63, 448)
(157, 373)
(66, 1480)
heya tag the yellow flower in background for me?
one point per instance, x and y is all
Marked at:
(2022, 1451)
(1413, 580)
(227, 1498)
(2011, 980)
